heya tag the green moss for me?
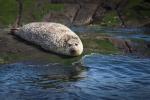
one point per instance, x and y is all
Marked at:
(92, 45)
(110, 19)
(10, 57)
(53, 58)
(136, 10)
(54, 7)
(8, 11)
(2, 61)
(49, 57)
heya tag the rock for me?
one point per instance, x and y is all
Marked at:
(65, 17)
(84, 15)
(124, 45)
(73, 14)
(71, 10)
(57, 17)
(97, 18)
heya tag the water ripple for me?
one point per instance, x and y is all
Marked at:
(109, 77)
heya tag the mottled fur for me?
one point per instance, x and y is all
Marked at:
(54, 37)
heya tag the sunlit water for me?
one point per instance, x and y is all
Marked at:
(109, 77)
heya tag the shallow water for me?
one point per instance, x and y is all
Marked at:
(109, 77)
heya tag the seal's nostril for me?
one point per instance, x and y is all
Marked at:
(72, 51)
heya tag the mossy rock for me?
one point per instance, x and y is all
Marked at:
(93, 45)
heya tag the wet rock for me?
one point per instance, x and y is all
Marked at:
(124, 45)
(98, 16)
(71, 10)
(142, 48)
(84, 15)
(138, 47)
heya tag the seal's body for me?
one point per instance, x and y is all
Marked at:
(53, 37)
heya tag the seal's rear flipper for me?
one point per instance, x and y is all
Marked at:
(14, 30)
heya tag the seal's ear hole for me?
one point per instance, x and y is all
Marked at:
(67, 38)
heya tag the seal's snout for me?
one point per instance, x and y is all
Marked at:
(73, 52)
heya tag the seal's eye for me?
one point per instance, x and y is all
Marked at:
(70, 45)
(76, 44)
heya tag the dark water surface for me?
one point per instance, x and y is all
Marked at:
(109, 77)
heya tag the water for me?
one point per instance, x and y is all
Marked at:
(123, 33)
(109, 77)
(106, 77)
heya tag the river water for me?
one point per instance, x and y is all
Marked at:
(106, 77)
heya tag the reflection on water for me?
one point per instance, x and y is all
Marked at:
(109, 77)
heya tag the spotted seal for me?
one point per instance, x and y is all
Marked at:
(52, 37)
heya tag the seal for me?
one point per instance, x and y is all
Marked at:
(52, 37)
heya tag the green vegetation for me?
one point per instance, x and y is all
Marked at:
(92, 45)
(132, 3)
(48, 57)
(33, 10)
(135, 12)
(11, 57)
(2, 61)
(110, 19)
(8, 11)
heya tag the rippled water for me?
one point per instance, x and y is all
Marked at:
(109, 77)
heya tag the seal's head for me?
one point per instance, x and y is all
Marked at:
(73, 46)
